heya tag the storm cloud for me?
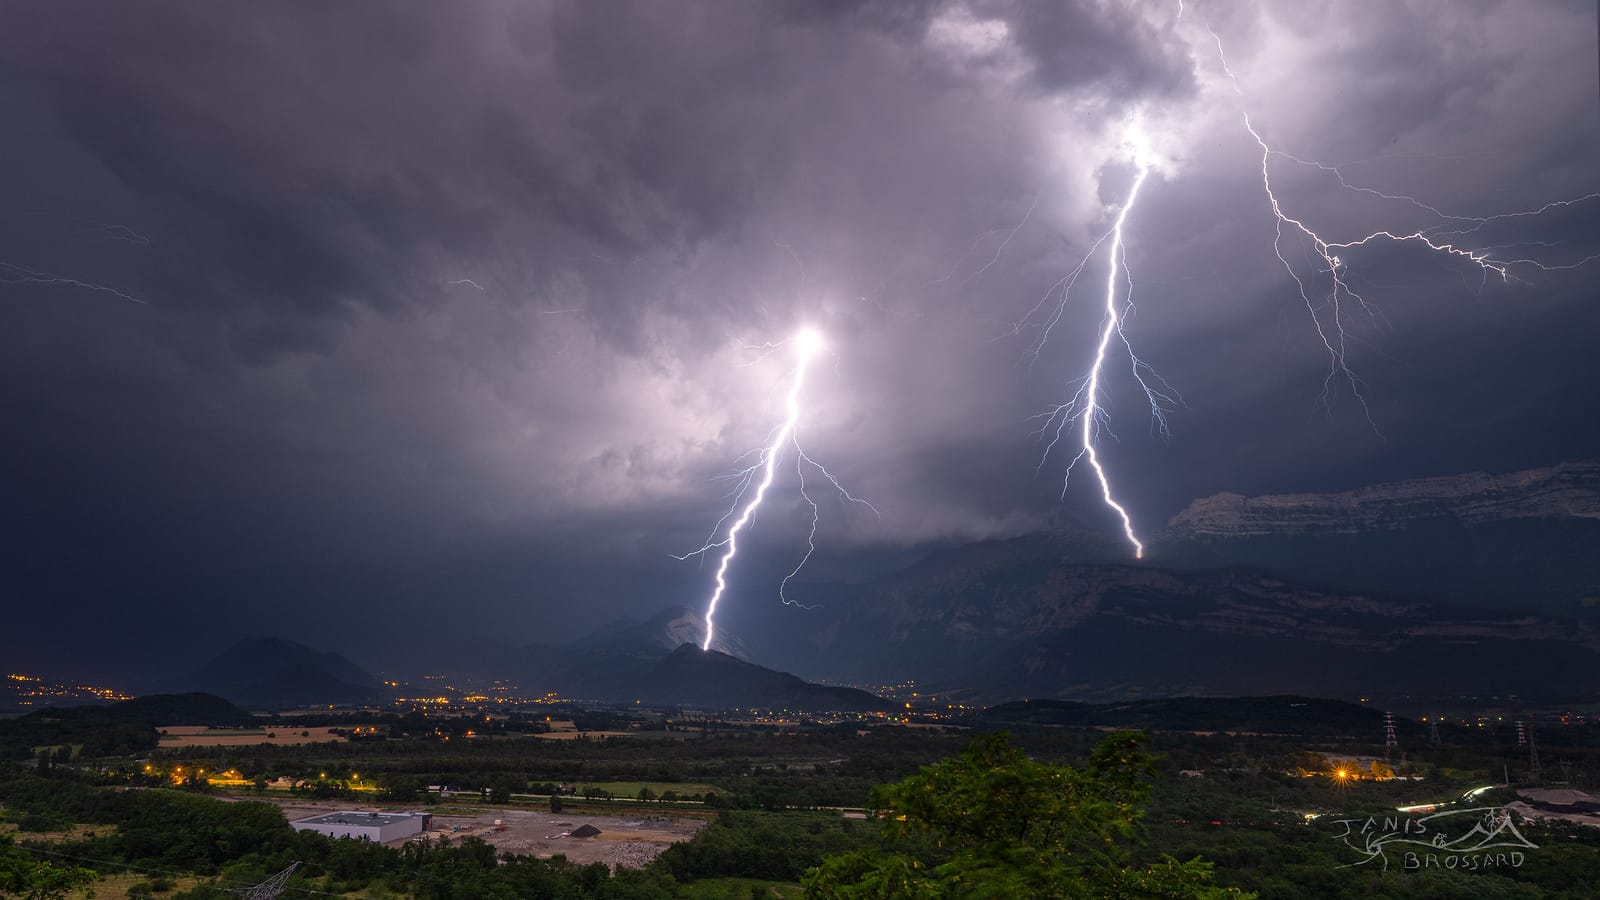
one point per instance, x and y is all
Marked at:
(449, 309)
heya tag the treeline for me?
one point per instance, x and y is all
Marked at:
(117, 729)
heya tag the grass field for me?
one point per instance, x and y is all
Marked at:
(75, 833)
(627, 790)
(115, 887)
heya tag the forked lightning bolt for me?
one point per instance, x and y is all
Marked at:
(807, 344)
(1085, 411)
(1444, 239)
(1449, 238)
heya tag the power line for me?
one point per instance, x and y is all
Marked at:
(242, 885)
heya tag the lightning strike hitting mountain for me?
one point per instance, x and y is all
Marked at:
(1329, 307)
(807, 345)
(1085, 410)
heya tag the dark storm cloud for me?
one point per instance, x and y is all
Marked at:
(1112, 46)
(446, 301)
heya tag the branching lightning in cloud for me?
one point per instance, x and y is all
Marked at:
(1447, 238)
(117, 233)
(15, 274)
(761, 473)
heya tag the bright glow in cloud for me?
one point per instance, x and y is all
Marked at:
(808, 343)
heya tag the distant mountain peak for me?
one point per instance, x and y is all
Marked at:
(690, 676)
(276, 671)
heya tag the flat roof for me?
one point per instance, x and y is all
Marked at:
(356, 818)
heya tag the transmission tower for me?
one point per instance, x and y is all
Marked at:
(269, 889)
(1533, 758)
(1433, 731)
(1389, 741)
(1522, 735)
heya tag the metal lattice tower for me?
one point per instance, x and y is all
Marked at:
(1533, 757)
(1433, 731)
(269, 889)
(1389, 740)
(1522, 735)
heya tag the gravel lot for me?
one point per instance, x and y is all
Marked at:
(623, 842)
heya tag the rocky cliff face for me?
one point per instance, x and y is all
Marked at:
(1526, 540)
(1569, 490)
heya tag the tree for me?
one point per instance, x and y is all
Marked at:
(24, 876)
(990, 822)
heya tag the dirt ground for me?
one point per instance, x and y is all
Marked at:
(1557, 797)
(623, 842)
(627, 841)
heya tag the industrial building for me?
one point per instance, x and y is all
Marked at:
(370, 826)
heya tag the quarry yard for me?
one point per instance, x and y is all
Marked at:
(625, 841)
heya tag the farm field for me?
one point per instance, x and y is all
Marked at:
(631, 789)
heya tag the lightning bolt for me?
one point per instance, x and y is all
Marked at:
(1085, 409)
(117, 233)
(807, 344)
(14, 274)
(1327, 294)
(1445, 239)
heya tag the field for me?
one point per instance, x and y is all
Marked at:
(115, 886)
(629, 840)
(574, 735)
(631, 789)
(75, 833)
(179, 736)
(626, 841)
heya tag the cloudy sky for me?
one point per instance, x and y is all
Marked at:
(395, 326)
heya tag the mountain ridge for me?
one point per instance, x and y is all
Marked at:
(690, 676)
(1565, 490)
(270, 672)
(1527, 540)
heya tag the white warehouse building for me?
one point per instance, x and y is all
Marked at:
(371, 826)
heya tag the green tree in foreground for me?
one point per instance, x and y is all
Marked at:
(23, 875)
(993, 823)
